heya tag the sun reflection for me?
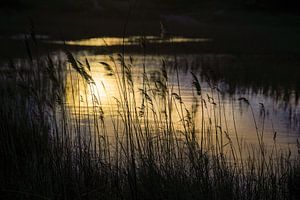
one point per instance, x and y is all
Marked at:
(222, 116)
(100, 92)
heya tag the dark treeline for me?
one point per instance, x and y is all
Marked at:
(292, 5)
(280, 5)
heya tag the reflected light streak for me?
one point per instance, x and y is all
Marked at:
(134, 40)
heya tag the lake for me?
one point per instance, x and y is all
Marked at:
(242, 99)
(149, 99)
(244, 95)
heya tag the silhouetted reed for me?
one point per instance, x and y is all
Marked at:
(55, 143)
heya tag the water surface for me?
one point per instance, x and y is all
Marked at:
(243, 110)
(242, 96)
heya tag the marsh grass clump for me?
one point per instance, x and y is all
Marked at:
(56, 144)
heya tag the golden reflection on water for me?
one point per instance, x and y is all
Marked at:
(219, 112)
(134, 40)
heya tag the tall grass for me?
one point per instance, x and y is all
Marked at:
(59, 146)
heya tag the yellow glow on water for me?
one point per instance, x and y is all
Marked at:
(100, 92)
(134, 40)
(106, 92)
(106, 41)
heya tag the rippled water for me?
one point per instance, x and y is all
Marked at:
(243, 112)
